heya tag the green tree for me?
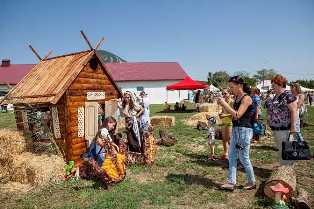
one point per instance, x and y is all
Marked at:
(210, 78)
(248, 79)
(306, 83)
(265, 74)
(220, 79)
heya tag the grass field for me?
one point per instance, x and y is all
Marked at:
(180, 178)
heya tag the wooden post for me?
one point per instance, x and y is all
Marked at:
(34, 51)
(99, 43)
(86, 39)
(47, 55)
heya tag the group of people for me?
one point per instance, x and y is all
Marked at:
(107, 142)
(241, 109)
(240, 113)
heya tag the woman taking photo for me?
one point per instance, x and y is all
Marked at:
(242, 132)
(282, 113)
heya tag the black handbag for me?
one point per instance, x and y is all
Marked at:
(297, 149)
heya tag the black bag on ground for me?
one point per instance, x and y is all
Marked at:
(295, 150)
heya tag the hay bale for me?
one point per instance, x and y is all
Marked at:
(209, 107)
(201, 118)
(163, 121)
(11, 142)
(37, 170)
(15, 187)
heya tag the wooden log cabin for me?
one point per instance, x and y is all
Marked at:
(71, 87)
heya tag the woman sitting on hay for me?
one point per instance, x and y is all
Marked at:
(105, 159)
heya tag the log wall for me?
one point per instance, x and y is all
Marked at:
(88, 80)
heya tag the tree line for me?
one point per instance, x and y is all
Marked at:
(220, 78)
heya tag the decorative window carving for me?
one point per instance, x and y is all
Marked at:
(80, 122)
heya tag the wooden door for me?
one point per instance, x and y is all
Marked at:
(91, 120)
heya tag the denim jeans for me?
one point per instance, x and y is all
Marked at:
(242, 136)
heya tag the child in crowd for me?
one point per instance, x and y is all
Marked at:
(211, 120)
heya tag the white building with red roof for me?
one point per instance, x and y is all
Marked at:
(151, 77)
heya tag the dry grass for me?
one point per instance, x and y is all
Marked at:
(20, 170)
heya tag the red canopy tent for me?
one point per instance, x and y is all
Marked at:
(187, 84)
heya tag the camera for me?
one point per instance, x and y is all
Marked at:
(217, 94)
(239, 146)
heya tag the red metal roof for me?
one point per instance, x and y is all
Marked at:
(13, 73)
(136, 71)
(145, 71)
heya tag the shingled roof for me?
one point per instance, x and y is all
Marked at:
(49, 79)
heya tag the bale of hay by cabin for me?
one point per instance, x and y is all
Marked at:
(20, 166)
(163, 121)
(37, 170)
(15, 187)
(11, 142)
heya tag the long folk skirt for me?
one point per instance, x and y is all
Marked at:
(134, 135)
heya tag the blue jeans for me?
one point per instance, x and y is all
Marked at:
(242, 136)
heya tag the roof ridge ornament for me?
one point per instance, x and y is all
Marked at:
(35, 52)
(37, 55)
(87, 41)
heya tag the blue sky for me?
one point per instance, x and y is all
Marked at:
(202, 35)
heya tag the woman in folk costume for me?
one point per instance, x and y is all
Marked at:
(95, 164)
(132, 111)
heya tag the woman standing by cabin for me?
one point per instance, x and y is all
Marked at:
(132, 112)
